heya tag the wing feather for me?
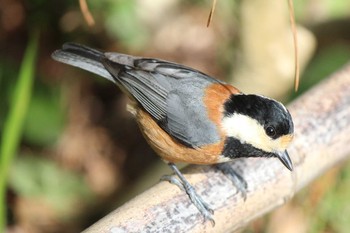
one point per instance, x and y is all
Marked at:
(171, 93)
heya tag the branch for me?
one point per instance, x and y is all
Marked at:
(322, 125)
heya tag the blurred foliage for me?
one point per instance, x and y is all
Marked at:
(334, 210)
(47, 181)
(123, 22)
(6, 88)
(13, 124)
(310, 11)
(323, 64)
(45, 113)
(326, 203)
(39, 174)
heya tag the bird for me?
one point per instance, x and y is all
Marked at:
(187, 116)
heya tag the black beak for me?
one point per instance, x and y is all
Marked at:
(284, 158)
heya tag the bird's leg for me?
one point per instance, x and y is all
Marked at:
(236, 179)
(184, 185)
(173, 180)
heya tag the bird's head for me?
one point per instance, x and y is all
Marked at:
(257, 126)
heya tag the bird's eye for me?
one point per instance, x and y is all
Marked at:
(270, 131)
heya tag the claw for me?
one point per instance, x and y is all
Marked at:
(184, 185)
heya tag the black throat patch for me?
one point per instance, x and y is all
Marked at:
(234, 148)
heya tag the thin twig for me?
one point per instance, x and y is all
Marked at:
(86, 13)
(211, 13)
(295, 41)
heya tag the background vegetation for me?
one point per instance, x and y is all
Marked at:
(71, 150)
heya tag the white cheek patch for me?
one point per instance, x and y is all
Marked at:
(247, 130)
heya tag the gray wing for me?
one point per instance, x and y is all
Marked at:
(171, 93)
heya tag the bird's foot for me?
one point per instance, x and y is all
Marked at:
(236, 179)
(184, 185)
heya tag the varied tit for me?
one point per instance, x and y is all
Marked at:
(187, 116)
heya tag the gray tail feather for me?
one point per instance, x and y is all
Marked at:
(82, 50)
(83, 57)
